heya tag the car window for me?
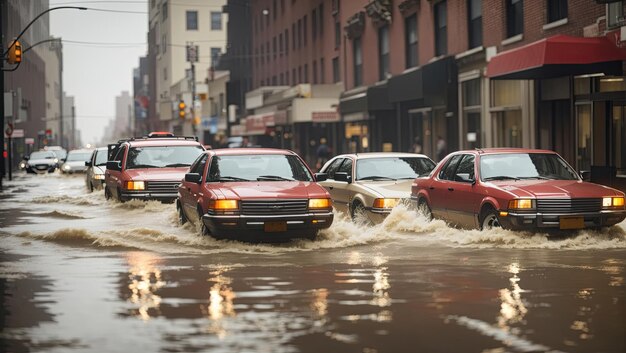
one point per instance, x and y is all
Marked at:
(346, 166)
(100, 157)
(465, 170)
(392, 167)
(42, 155)
(198, 165)
(258, 167)
(162, 156)
(120, 154)
(447, 172)
(332, 168)
(525, 166)
(78, 156)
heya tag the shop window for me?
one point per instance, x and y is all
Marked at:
(383, 52)
(615, 14)
(508, 128)
(610, 84)
(472, 113)
(441, 31)
(358, 61)
(506, 93)
(410, 40)
(514, 17)
(475, 23)
(557, 10)
(582, 85)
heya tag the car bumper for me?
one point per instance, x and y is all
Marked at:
(522, 221)
(254, 227)
(41, 169)
(148, 195)
(377, 215)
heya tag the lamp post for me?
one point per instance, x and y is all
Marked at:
(2, 11)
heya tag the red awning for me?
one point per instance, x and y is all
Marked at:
(556, 56)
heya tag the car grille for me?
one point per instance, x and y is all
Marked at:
(42, 166)
(162, 186)
(568, 205)
(274, 207)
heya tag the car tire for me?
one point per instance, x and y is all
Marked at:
(119, 196)
(424, 209)
(107, 193)
(182, 219)
(204, 230)
(89, 186)
(357, 211)
(489, 219)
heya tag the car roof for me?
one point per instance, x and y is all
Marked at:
(504, 150)
(83, 150)
(367, 155)
(249, 151)
(155, 142)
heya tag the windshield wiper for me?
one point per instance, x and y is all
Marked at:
(178, 165)
(273, 177)
(407, 177)
(137, 166)
(502, 177)
(376, 177)
(231, 178)
(536, 177)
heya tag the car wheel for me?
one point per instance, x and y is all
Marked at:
(119, 196)
(182, 219)
(490, 219)
(357, 211)
(204, 230)
(107, 193)
(424, 209)
(89, 186)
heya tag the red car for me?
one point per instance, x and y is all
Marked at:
(253, 194)
(149, 168)
(515, 189)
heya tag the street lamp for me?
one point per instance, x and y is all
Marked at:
(4, 53)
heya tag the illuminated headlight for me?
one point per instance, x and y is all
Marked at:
(56, 160)
(613, 202)
(386, 203)
(224, 206)
(66, 167)
(319, 204)
(135, 185)
(23, 165)
(521, 204)
(98, 176)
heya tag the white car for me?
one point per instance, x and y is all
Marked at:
(370, 184)
(75, 161)
(96, 167)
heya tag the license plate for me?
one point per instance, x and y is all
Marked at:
(275, 226)
(571, 222)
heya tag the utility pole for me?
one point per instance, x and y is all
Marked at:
(2, 170)
(192, 57)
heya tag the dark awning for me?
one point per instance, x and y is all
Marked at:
(365, 99)
(406, 87)
(557, 56)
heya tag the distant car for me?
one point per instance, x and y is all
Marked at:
(253, 194)
(41, 162)
(149, 168)
(75, 161)
(96, 166)
(515, 189)
(371, 184)
(60, 152)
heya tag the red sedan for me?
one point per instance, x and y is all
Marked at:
(253, 194)
(515, 189)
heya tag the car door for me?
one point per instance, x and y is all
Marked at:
(439, 189)
(462, 190)
(190, 191)
(112, 176)
(343, 191)
(332, 185)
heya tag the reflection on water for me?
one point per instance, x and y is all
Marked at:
(221, 296)
(512, 308)
(614, 269)
(145, 281)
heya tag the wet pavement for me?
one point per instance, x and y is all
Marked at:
(82, 274)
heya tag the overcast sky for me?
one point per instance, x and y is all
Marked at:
(96, 73)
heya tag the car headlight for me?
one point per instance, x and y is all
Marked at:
(23, 165)
(66, 167)
(135, 185)
(613, 202)
(98, 176)
(56, 160)
(386, 203)
(224, 206)
(319, 204)
(521, 204)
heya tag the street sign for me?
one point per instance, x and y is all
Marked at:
(29, 141)
(16, 133)
(192, 53)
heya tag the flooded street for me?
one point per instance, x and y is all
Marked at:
(82, 274)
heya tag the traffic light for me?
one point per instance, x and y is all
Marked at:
(181, 109)
(15, 52)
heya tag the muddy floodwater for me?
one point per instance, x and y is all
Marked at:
(82, 274)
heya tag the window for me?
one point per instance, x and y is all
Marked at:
(337, 35)
(215, 56)
(336, 70)
(410, 38)
(192, 20)
(475, 23)
(321, 22)
(306, 73)
(358, 61)
(299, 33)
(333, 167)
(287, 42)
(314, 72)
(557, 10)
(299, 74)
(274, 10)
(471, 113)
(314, 24)
(293, 77)
(615, 12)
(216, 21)
(280, 44)
(287, 77)
(346, 167)
(274, 47)
(198, 165)
(465, 171)
(447, 172)
(514, 17)
(441, 32)
(293, 36)
(304, 31)
(322, 71)
(383, 52)
(164, 13)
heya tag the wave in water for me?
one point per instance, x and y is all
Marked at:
(61, 215)
(81, 201)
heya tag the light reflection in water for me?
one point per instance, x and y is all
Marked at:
(221, 296)
(614, 269)
(512, 308)
(145, 281)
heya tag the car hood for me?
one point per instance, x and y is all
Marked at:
(556, 189)
(397, 189)
(157, 173)
(271, 190)
(41, 161)
(75, 164)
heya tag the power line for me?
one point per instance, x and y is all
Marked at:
(117, 11)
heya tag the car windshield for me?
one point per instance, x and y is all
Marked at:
(60, 154)
(512, 166)
(101, 157)
(78, 156)
(42, 155)
(392, 168)
(260, 167)
(162, 156)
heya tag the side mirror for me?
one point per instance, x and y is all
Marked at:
(321, 176)
(87, 163)
(342, 176)
(193, 178)
(26, 158)
(114, 165)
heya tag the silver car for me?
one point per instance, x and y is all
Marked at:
(75, 161)
(96, 166)
(369, 185)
